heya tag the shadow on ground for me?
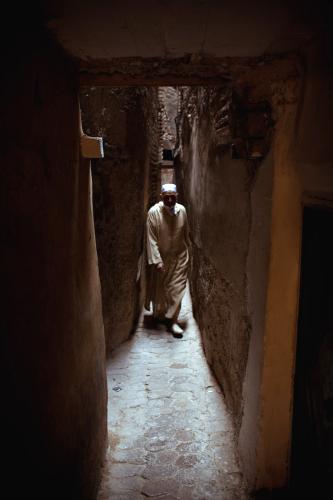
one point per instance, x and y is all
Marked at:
(151, 323)
(313, 492)
(278, 494)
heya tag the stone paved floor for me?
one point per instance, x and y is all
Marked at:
(169, 431)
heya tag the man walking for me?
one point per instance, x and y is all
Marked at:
(167, 255)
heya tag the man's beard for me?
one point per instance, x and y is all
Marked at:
(170, 209)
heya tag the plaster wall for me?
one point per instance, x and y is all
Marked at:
(177, 28)
(281, 310)
(257, 276)
(312, 150)
(302, 174)
(53, 386)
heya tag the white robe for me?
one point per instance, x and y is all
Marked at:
(167, 242)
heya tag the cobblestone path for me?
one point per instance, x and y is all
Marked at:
(170, 436)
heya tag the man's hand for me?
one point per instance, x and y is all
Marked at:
(160, 267)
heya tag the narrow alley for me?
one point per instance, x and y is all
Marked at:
(103, 104)
(170, 435)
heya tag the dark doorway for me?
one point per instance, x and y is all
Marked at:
(312, 440)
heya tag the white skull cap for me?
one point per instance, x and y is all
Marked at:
(169, 188)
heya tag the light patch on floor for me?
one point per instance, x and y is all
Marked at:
(170, 435)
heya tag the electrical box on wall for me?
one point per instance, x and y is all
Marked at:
(92, 147)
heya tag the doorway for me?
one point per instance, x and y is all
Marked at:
(312, 438)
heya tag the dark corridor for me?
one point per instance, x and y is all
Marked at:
(312, 442)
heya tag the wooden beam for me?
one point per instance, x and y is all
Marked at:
(128, 80)
(189, 71)
(154, 72)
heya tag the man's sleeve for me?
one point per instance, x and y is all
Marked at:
(153, 253)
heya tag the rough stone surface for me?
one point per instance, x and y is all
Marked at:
(216, 190)
(126, 121)
(171, 436)
(188, 70)
(169, 104)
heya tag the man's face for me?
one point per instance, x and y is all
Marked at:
(169, 199)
